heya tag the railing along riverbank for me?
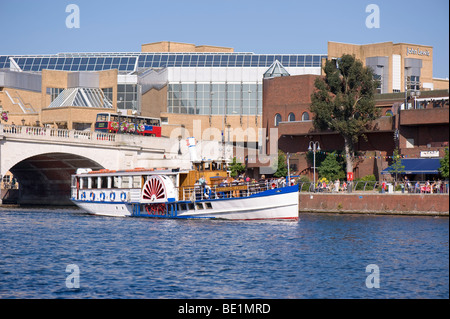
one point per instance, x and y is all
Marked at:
(414, 187)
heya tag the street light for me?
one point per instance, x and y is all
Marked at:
(314, 147)
(179, 144)
(289, 169)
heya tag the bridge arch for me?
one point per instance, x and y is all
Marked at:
(44, 179)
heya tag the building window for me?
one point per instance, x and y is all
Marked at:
(305, 116)
(54, 92)
(215, 98)
(277, 119)
(127, 97)
(108, 93)
(413, 83)
(378, 78)
(389, 113)
(291, 117)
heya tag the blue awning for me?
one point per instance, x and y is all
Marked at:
(418, 166)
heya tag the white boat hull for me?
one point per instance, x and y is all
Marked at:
(273, 204)
(106, 209)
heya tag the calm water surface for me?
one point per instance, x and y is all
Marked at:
(321, 256)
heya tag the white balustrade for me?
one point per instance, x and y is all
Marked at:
(45, 133)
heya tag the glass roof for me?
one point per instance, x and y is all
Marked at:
(276, 70)
(129, 62)
(83, 97)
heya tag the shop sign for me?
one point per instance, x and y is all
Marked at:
(417, 51)
(429, 154)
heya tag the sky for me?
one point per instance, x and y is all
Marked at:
(261, 26)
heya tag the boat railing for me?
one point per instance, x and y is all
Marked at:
(235, 190)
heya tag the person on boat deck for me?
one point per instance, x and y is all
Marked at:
(223, 183)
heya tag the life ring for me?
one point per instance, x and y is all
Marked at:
(112, 196)
(92, 196)
(102, 196)
(123, 196)
(83, 195)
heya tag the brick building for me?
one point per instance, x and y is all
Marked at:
(418, 130)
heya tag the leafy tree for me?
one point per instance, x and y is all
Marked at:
(282, 169)
(397, 167)
(236, 168)
(330, 168)
(344, 102)
(444, 165)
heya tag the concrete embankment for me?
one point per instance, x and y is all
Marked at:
(375, 203)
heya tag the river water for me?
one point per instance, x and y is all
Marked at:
(63, 253)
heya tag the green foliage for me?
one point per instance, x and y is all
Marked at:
(444, 165)
(282, 169)
(236, 168)
(368, 178)
(397, 167)
(367, 181)
(305, 183)
(344, 100)
(320, 157)
(330, 168)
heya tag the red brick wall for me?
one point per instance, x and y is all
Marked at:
(377, 203)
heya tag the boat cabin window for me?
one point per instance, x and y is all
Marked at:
(83, 182)
(94, 182)
(208, 205)
(136, 181)
(102, 182)
(74, 181)
(199, 205)
(191, 206)
(116, 182)
(126, 182)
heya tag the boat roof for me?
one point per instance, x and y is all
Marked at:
(127, 172)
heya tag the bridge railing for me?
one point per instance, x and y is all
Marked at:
(47, 133)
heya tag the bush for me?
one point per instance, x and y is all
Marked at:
(305, 183)
(365, 181)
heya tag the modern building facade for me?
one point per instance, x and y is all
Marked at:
(396, 65)
(178, 82)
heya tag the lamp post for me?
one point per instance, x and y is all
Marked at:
(179, 144)
(289, 168)
(314, 147)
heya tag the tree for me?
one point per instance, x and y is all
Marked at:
(397, 167)
(330, 168)
(444, 165)
(236, 168)
(344, 102)
(282, 165)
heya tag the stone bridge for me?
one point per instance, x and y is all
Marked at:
(43, 159)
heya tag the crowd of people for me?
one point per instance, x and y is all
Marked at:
(433, 187)
(323, 185)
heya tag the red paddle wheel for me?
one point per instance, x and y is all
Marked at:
(155, 192)
(156, 209)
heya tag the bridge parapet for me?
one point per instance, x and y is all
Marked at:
(47, 134)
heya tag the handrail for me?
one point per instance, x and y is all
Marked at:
(375, 186)
(199, 192)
